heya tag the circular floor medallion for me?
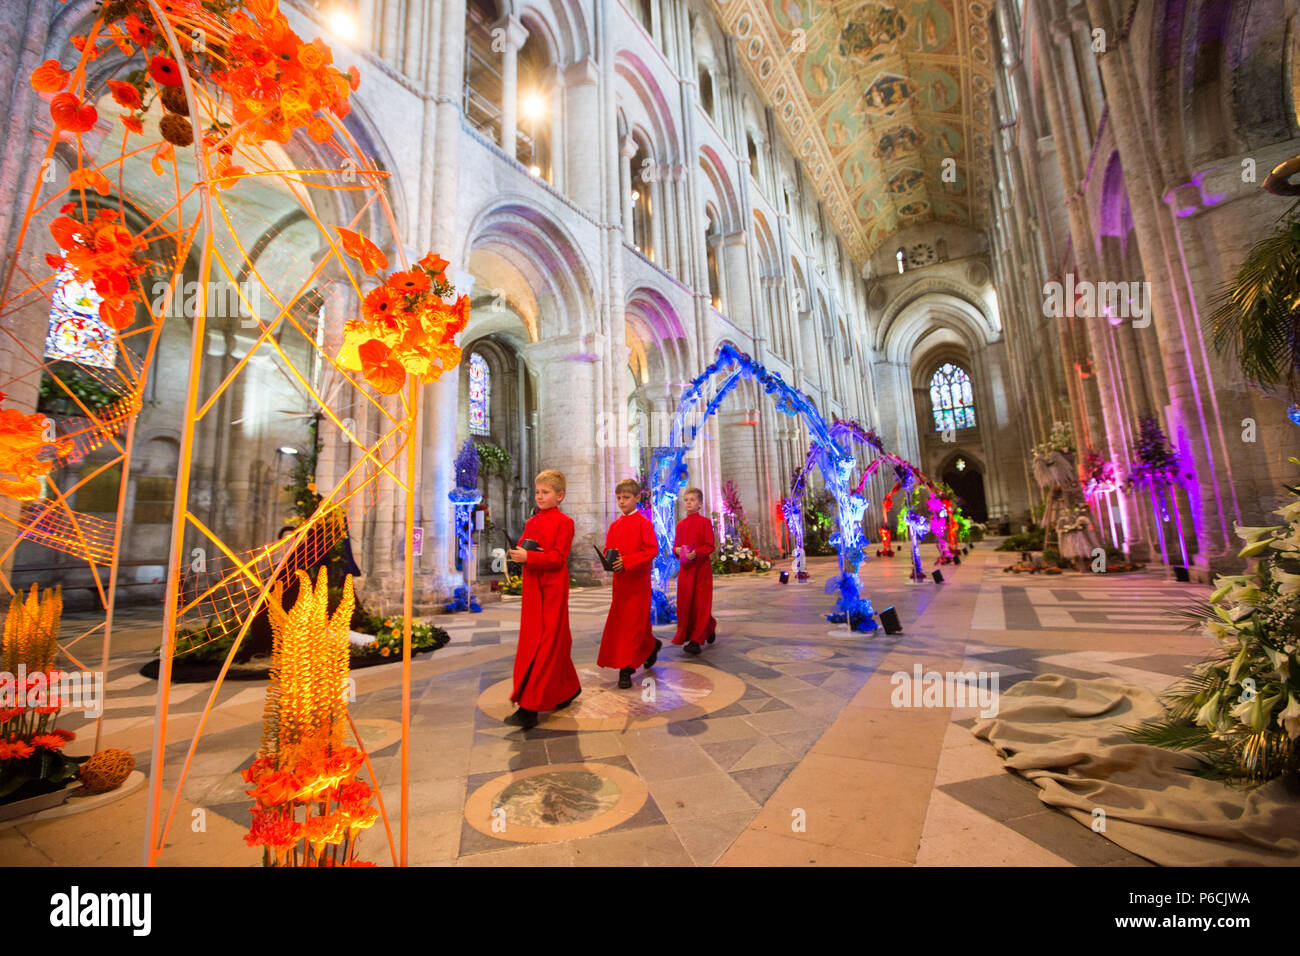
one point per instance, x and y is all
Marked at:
(788, 653)
(555, 802)
(669, 692)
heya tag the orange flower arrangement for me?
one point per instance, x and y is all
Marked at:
(407, 326)
(25, 454)
(310, 807)
(102, 252)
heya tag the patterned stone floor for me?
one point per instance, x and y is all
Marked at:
(779, 745)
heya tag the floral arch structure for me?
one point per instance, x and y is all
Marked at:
(669, 474)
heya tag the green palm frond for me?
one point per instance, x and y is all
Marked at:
(1169, 734)
(1257, 318)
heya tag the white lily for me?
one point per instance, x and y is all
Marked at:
(1290, 718)
(1288, 584)
(1207, 715)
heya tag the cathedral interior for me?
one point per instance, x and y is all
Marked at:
(1011, 242)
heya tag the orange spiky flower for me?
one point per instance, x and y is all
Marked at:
(31, 632)
(303, 763)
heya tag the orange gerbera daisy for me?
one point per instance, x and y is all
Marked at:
(380, 302)
(409, 283)
(141, 33)
(124, 94)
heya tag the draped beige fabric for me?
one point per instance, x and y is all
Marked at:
(1064, 735)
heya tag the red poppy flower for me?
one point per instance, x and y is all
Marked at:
(164, 70)
(68, 112)
(140, 32)
(382, 371)
(49, 77)
(132, 123)
(409, 283)
(124, 95)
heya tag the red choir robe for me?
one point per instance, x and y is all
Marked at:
(695, 581)
(544, 671)
(627, 639)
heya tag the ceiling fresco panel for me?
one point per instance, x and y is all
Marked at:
(876, 96)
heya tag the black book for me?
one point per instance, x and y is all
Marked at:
(607, 558)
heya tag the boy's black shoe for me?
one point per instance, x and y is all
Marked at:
(523, 717)
(712, 635)
(625, 677)
(569, 701)
(690, 647)
(654, 655)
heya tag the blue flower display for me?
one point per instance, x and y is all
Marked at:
(669, 473)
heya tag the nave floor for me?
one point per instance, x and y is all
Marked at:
(779, 745)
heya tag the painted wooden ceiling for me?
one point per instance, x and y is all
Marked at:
(885, 103)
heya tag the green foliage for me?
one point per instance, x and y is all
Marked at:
(1028, 541)
(90, 391)
(493, 459)
(818, 523)
(387, 634)
(208, 644)
(1257, 318)
(1239, 710)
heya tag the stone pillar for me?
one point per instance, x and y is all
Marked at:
(567, 366)
(626, 150)
(514, 37)
(584, 182)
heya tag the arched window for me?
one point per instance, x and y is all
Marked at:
(711, 257)
(642, 206)
(951, 399)
(480, 391)
(76, 332)
(706, 90)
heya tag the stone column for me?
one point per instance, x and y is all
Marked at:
(582, 164)
(626, 150)
(514, 37)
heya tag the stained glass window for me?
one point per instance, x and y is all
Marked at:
(951, 399)
(77, 333)
(480, 389)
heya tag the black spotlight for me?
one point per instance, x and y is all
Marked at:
(889, 620)
(938, 576)
(785, 577)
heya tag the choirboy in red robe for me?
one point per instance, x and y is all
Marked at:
(695, 581)
(544, 671)
(627, 639)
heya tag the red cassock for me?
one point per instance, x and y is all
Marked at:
(627, 640)
(544, 671)
(695, 581)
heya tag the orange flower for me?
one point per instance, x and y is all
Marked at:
(140, 33)
(354, 78)
(264, 10)
(310, 57)
(124, 95)
(434, 264)
(319, 129)
(370, 256)
(49, 77)
(68, 112)
(132, 123)
(15, 750)
(276, 788)
(384, 373)
(119, 313)
(409, 283)
(49, 741)
(90, 179)
(379, 303)
(164, 70)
